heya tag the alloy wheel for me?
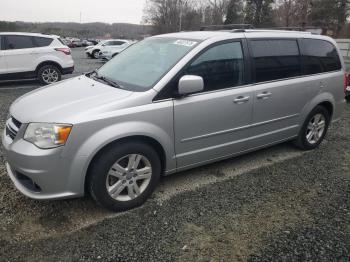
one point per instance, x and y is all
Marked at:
(316, 129)
(129, 177)
(50, 75)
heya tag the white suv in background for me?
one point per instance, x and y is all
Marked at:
(94, 51)
(108, 52)
(34, 56)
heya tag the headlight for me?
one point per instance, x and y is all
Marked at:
(47, 135)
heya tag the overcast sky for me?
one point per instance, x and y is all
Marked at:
(109, 11)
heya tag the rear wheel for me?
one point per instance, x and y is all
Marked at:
(49, 74)
(124, 176)
(314, 129)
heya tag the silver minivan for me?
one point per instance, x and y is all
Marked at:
(171, 103)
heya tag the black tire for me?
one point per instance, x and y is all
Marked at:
(302, 142)
(49, 68)
(95, 54)
(99, 169)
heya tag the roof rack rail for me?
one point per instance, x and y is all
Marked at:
(271, 31)
(226, 27)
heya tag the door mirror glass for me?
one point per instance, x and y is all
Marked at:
(190, 84)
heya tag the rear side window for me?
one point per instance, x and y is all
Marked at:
(18, 42)
(275, 59)
(118, 43)
(42, 41)
(221, 66)
(319, 56)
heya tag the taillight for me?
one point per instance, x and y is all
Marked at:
(64, 50)
(346, 81)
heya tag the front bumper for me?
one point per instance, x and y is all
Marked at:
(40, 174)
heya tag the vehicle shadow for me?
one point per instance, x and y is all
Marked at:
(42, 219)
(19, 84)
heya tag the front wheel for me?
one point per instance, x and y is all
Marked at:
(124, 175)
(95, 54)
(314, 129)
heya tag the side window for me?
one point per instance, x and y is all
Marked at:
(275, 59)
(42, 41)
(118, 43)
(319, 56)
(18, 42)
(221, 66)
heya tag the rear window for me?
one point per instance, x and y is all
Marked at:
(18, 42)
(319, 56)
(275, 59)
(42, 41)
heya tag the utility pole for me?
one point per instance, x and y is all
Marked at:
(180, 26)
(305, 13)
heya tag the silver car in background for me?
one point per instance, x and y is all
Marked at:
(171, 103)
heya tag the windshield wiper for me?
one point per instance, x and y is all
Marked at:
(94, 74)
(108, 81)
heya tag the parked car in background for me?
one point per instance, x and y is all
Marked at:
(94, 51)
(347, 90)
(77, 43)
(109, 51)
(168, 104)
(34, 56)
(93, 41)
(87, 43)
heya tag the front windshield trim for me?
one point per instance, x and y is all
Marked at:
(136, 88)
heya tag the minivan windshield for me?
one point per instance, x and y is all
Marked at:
(141, 66)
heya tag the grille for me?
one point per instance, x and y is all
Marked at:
(12, 127)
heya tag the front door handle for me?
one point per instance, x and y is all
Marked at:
(264, 95)
(241, 99)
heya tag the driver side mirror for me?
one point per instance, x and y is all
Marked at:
(190, 84)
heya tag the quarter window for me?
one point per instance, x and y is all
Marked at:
(319, 56)
(42, 41)
(275, 59)
(221, 66)
(18, 42)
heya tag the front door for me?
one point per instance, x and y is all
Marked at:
(214, 123)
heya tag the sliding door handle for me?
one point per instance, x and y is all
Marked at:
(241, 99)
(264, 95)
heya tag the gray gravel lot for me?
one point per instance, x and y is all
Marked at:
(277, 204)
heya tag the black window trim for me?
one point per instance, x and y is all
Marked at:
(36, 43)
(323, 73)
(246, 79)
(252, 62)
(4, 37)
(299, 39)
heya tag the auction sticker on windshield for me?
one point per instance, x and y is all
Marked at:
(188, 43)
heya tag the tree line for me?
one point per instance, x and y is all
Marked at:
(178, 15)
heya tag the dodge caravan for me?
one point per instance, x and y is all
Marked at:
(171, 103)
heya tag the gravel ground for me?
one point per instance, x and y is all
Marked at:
(277, 204)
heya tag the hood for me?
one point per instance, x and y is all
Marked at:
(67, 101)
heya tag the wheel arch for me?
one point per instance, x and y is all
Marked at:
(48, 63)
(329, 106)
(156, 145)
